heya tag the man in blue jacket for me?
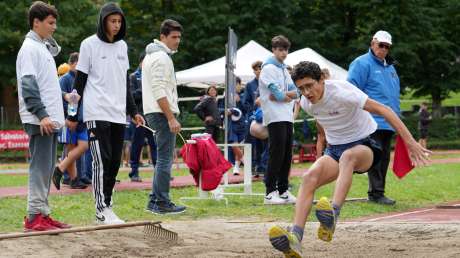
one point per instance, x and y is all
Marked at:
(251, 93)
(140, 133)
(375, 75)
(251, 89)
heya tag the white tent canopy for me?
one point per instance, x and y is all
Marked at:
(214, 72)
(308, 54)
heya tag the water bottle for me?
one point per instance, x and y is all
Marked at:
(73, 104)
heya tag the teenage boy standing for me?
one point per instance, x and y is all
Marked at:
(159, 94)
(277, 92)
(40, 108)
(102, 81)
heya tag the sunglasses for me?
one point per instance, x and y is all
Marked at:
(381, 45)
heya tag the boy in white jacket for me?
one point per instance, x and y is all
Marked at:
(277, 92)
(159, 95)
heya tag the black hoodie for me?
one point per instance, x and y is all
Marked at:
(106, 10)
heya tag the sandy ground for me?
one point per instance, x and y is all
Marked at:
(221, 238)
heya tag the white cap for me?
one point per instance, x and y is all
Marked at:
(383, 36)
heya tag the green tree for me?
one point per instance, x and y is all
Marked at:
(77, 20)
(143, 23)
(13, 26)
(425, 33)
(425, 37)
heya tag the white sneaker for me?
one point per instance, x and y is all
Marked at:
(273, 199)
(108, 217)
(218, 193)
(288, 197)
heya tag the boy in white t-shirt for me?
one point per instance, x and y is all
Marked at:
(40, 108)
(102, 81)
(343, 112)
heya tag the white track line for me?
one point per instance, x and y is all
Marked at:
(398, 215)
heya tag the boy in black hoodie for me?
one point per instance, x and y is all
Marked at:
(102, 81)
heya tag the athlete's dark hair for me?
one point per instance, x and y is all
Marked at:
(306, 69)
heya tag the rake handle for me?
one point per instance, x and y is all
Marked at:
(78, 229)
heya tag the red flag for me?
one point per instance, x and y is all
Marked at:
(402, 164)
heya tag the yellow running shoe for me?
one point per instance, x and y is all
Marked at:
(327, 219)
(285, 241)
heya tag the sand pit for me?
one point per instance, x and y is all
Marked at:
(225, 238)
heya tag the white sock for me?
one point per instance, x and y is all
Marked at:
(236, 168)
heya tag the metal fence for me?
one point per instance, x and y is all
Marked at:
(9, 116)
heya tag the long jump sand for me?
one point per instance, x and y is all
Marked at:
(247, 238)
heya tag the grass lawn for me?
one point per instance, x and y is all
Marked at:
(445, 156)
(407, 100)
(422, 187)
(11, 180)
(14, 166)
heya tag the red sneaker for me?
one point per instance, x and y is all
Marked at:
(38, 224)
(55, 223)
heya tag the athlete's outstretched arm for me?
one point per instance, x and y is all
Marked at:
(419, 155)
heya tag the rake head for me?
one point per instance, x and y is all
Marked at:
(156, 231)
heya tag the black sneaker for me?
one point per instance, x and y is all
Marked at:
(66, 181)
(165, 208)
(77, 184)
(137, 179)
(382, 200)
(85, 180)
(57, 176)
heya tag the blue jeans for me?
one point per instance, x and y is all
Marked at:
(166, 142)
(140, 133)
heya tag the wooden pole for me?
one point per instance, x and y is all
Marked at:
(78, 229)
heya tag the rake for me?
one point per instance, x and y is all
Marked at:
(180, 135)
(152, 229)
